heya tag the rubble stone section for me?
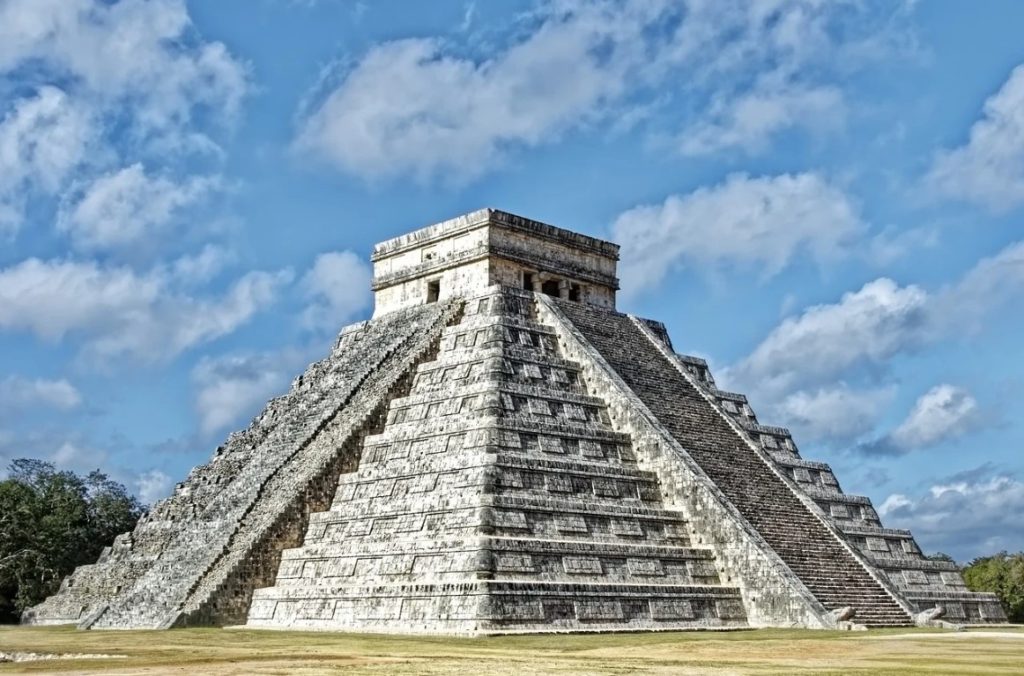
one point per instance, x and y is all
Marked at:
(809, 549)
(196, 556)
(498, 499)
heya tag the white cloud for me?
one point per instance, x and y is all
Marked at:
(139, 53)
(152, 486)
(42, 139)
(200, 268)
(422, 107)
(994, 282)
(866, 326)
(233, 388)
(892, 244)
(894, 502)
(749, 121)
(834, 414)
(859, 334)
(77, 457)
(760, 222)
(410, 107)
(963, 517)
(124, 314)
(882, 319)
(943, 412)
(988, 169)
(122, 207)
(135, 80)
(338, 286)
(17, 392)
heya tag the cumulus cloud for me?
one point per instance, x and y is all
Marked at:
(424, 107)
(989, 169)
(152, 486)
(809, 356)
(876, 322)
(18, 393)
(199, 268)
(943, 413)
(42, 139)
(865, 327)
(125, 206)
(121, 313)
(994, 282)
(963, 516)
(411, 107)
(134, 80)
(77, 457)
(760, 223)
(139, 53)
(749, 121)
(338, 286)
(834, 414)
(233, 388)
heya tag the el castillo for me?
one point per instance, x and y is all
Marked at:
(498, 450)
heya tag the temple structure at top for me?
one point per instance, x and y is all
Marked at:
(465, 255)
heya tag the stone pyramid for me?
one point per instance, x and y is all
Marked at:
(498, 450)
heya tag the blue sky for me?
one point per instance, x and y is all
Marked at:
(824, 199)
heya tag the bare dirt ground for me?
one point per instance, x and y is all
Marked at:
(222, 652)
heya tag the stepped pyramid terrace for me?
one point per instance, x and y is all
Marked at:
(498, 451)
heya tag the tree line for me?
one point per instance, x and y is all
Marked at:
(50, 522)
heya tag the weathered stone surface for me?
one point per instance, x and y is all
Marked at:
(498, 498)
(893, 553)
(745, 475)
(198, 554)
(499, 451)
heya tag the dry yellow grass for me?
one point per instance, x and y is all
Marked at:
(215, 651)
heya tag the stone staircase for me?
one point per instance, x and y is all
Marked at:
(801, 539)
(498, 499)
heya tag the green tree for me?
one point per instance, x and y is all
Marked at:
(1002, 574)
(50, 522)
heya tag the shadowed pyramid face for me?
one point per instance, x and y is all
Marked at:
(461, 257)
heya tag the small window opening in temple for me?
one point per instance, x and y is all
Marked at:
(528, 281)
(550, 287)
(574, 292)
(433, 291)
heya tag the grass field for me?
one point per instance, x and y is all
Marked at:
(216, 651)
